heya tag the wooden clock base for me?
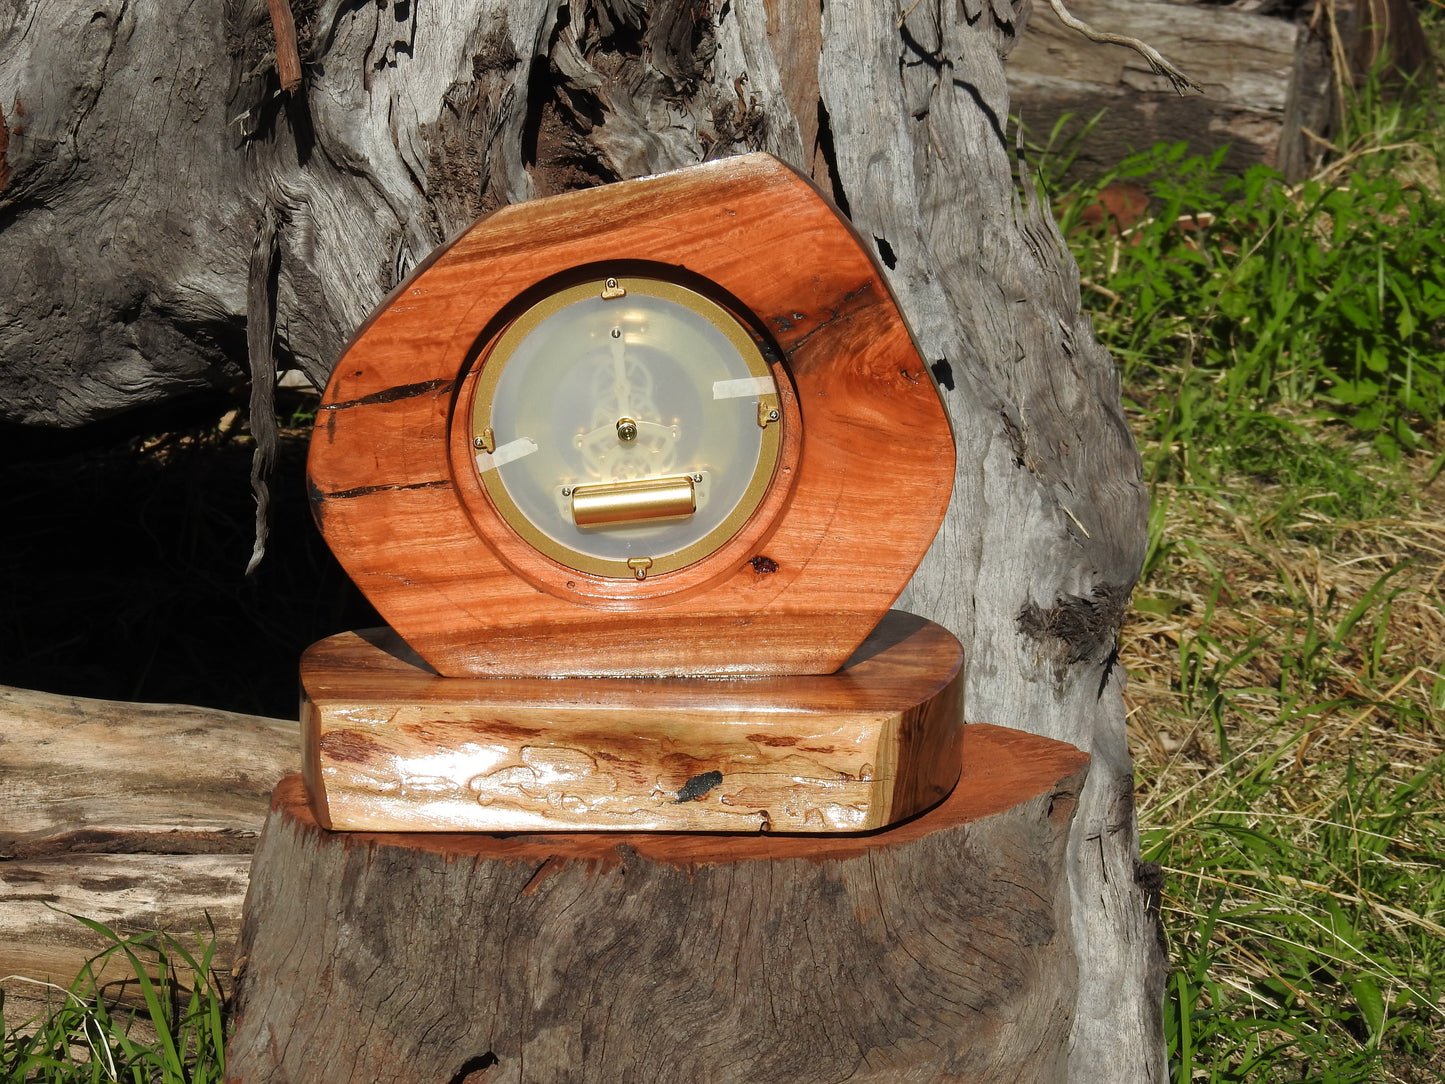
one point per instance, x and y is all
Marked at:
(393, 747)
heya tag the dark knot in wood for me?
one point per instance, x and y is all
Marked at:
(1078, 628)
(698, 786)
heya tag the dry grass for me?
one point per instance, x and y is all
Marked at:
(1286, 708)
(1226, 584)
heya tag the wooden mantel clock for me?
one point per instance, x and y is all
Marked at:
(634, 475)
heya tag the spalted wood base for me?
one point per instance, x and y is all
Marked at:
(392, 746)
(938, 949)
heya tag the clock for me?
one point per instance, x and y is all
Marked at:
(670, 426)
(625, 427)
(634, 476)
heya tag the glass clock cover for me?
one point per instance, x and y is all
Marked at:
(626, 427)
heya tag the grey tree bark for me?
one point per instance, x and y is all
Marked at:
(171, 219)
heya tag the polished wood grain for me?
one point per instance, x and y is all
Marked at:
(391, 746)
(862, 489)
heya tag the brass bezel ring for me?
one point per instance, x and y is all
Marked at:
(494, 361)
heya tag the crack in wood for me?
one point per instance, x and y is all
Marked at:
(4, 149)
(474, 1069)
(393, 395)
(366, 491)
(843, 311)
(172, 841)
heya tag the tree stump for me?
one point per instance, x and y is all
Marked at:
(938, 949)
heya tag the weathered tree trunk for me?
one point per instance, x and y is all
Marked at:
(930, 951)
(164, 194)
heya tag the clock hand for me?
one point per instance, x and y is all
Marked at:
(619, 374)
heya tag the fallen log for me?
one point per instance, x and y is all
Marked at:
(41, 941)
(1274, 84)
(141, 816)
(1242, 60)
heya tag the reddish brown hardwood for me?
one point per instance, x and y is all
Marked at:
(999, 769)
(872, 479)
(288, 57)
(390, 746)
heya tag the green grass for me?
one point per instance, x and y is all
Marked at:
(1286, 714)
(1288, 735)
(1241, 295)
(1283, 356)
(164, 1023)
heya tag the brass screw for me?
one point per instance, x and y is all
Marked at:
(626, 429)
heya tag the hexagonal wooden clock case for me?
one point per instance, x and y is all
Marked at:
(634, 475)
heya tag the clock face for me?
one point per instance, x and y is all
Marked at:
(626, 427)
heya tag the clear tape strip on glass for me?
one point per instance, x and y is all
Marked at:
(743, 387)
(507, 453)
